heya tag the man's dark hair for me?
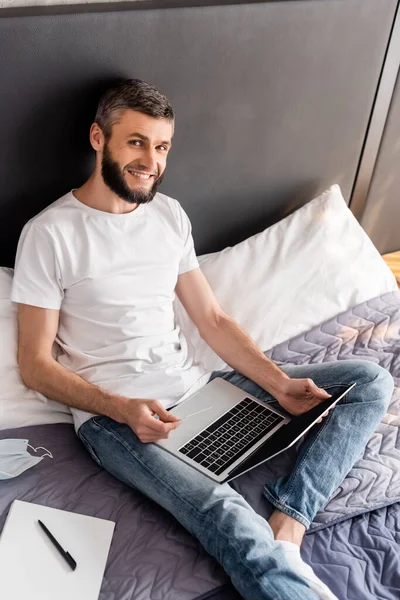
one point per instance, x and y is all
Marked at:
(133, 94)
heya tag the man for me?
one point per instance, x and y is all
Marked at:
(96, 271)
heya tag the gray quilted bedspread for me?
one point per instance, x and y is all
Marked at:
(359, 558)
(153, 558)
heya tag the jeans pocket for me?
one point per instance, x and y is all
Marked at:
(90, 450)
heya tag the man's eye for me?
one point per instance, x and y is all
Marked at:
(135, 142)
(163, 148)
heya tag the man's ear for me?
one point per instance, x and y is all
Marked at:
(96, 137)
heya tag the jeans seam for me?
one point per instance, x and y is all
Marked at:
(327, 385)
(289, 490)
(292, 478)
(89, 449)
(282, 499)
(291, 485)
(283, 507)
(189, 504)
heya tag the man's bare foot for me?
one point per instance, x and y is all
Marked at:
(286, 528)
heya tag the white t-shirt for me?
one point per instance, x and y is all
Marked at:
(113, 276)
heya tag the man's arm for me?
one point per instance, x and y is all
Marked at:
(223, 334)
(238, 349)
(37, 329)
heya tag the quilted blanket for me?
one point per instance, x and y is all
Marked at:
(153, 558)
(359, 558)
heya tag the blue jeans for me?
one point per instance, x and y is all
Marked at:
(224, 523)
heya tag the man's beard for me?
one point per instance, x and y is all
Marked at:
(114, 179)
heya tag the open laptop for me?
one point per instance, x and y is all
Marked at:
(225, 431)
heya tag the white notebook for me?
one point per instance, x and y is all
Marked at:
(31, 568)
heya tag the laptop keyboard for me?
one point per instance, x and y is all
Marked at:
(228, 438)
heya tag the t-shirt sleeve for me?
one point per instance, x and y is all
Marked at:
(37, 277)
(188, 259)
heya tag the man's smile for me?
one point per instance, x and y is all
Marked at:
(140, 174)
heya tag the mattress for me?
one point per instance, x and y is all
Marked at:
(351, 545)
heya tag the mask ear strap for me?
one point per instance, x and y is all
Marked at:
(49, 454)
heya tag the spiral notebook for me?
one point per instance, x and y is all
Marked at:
(31, 568)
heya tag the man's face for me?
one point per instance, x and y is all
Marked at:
(135, 156)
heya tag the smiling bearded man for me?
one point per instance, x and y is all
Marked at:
(97, 271)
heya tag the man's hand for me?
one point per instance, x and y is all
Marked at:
(139, 414)
(297, 396)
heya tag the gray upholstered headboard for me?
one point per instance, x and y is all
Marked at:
(273, 102)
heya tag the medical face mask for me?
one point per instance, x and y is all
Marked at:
(15, 459)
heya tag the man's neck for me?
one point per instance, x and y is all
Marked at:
(96, 194)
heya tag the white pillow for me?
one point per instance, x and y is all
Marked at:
(305, 269)
(19, 405)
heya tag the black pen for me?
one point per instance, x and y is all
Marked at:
(64, 554)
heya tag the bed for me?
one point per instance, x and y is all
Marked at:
(267, 185)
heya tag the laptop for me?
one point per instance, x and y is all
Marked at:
(225, 431)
